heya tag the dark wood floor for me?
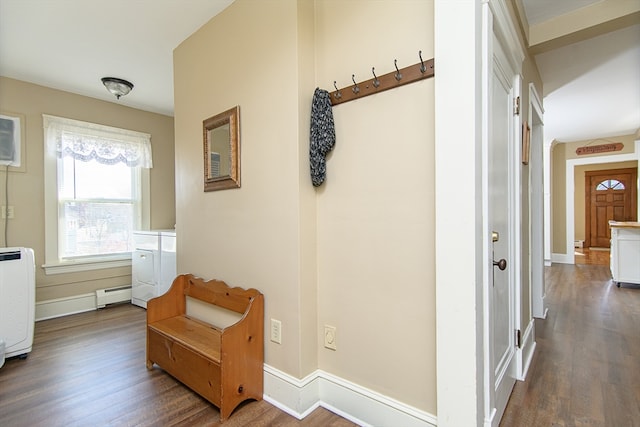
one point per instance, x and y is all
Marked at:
(89, 370)
(592, 256)
(586, 369)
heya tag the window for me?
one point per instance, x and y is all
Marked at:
(97, 207)
(96, 178)
(610, 184)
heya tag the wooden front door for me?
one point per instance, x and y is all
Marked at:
(609, 195)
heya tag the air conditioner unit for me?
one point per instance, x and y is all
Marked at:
(9, 141)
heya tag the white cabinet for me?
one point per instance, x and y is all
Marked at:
(153, 266)
(167, 260)
(625, 252)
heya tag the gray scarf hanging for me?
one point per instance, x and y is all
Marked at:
(323, 135)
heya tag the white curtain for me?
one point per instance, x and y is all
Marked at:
(86, 141)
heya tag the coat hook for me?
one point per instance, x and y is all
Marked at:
(376, 82)
(355, 88)
(398, 73)
(337, 95)
(423, 68)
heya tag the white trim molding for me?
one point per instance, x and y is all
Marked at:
(524, 354)
(562, 258)
(537, 206)
(300, 397)
(59, 307)
(86, 265)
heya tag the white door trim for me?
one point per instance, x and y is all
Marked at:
(458, 110)
(460, 326)
(537, 205)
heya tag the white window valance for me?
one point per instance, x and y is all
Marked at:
(88, 141)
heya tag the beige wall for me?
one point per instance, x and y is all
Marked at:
(567, 151)
(26, 188)
(252, 55)
(356, 253)
(376, 211)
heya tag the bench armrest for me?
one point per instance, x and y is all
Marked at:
(170, 304)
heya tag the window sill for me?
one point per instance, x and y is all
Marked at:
(74, 266)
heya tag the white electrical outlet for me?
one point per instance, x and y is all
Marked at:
(276, 331)
(330, 337)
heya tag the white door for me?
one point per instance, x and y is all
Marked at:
(500, 227)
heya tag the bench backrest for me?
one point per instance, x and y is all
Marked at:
(219, 293)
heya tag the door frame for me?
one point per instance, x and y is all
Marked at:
(588, 205)
(537, 208)
(569, 257)
(460, 122)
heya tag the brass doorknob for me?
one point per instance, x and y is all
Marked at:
(502, 264)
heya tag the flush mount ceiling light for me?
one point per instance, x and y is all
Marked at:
(118, 87)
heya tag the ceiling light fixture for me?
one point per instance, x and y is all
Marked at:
(118, 87)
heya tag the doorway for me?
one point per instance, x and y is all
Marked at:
(610, 195)
(570, 187)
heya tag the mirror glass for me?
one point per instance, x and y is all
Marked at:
(221, 151)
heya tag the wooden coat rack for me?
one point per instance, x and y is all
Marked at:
(413, 73)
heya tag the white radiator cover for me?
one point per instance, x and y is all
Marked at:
(112, 296)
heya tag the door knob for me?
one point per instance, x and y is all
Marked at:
(502, 264)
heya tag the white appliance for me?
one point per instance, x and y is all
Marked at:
(17, 301)
(167, 260)
(153, 266)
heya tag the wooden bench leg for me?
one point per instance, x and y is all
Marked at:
(225, 412)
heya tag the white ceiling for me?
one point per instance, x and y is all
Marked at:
(71, 44)
(591, 88)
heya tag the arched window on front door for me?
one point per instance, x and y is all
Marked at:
(610, 184)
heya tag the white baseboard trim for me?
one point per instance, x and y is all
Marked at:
(524, 355)
(351, 401)
(64, 306)
(563, 258)
(547, 263)
(297, 398)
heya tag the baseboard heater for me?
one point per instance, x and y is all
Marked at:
(112, 296)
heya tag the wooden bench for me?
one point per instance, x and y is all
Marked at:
(210, 337)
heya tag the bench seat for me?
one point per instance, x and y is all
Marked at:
(224, 364)
(193, 334)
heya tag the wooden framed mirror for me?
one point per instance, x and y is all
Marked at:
(221, 135)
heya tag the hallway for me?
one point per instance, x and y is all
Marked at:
(586, 369)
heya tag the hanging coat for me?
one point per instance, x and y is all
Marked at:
(322, 137)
